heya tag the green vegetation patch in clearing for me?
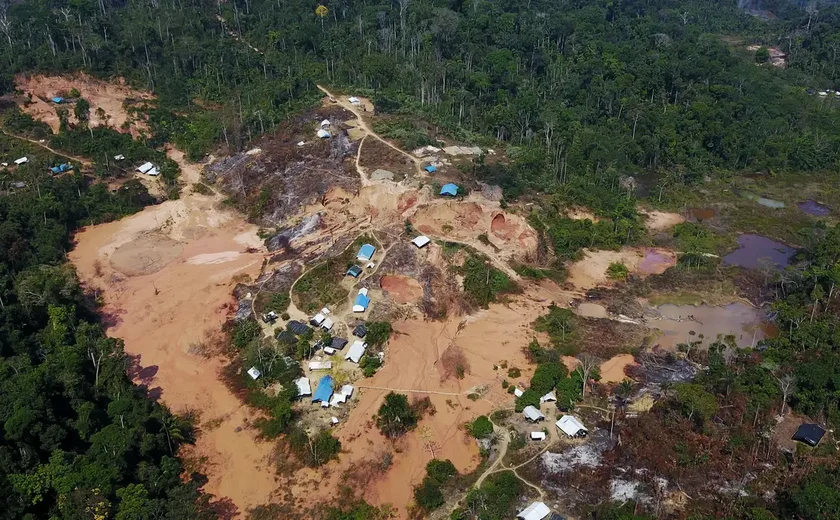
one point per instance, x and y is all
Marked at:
(321, 285)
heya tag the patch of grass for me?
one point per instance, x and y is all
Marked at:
(618, 271)
(558, 274)
(202, 189)
(483, 283)
(321, 286)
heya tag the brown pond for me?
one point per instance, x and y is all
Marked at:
(684, 323)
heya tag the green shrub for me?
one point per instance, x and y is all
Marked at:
(244, 332)
(481, 427)
(483, 283)
(369, 364)
(618, 271)
(514, 373)
(395, 417)
(428, 495)
(440, 471)
(378, 333)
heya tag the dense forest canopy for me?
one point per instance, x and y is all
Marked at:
(597, 88)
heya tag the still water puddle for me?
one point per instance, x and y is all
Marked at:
(756, 251)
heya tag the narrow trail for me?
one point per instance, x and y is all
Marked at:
(369, 131)
(84, 162)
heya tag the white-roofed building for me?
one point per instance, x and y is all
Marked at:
(517, 392)
(536, 511)
(347, 390)
(357, 349)
(421, 241)
(325, 122)
(537, 436)
(325, 311)
(532, 414)
(354, 100)
(338, 399)
(571, 426)
(323, 134)
(329, 351)
(145, 167)
(254, 372)
(154, 172)
(328, 324)
(334, 420)
(317, 319)
(22, 160)
(119, 157)
(549, 397)
(320, 365)
(303, 386)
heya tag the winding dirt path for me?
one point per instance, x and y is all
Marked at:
(80, 160)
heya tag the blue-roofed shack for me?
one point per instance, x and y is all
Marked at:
(61, 168)
(324, 390)
(354, 271)
(450, 190)
(57, 100)
(361, 303)
(430, 168)
(366, 252)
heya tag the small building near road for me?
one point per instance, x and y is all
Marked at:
(320, 365)
(303, 386)
(449, 190)
(327, 324)
(536, 511)
(430, 168)
(549, 397)
(360, 331)
(421, 241)
(537, 436)
(571, 426)
(354, 100)
(62, 168)
(317, 320)
(532, 414)
(517, 392)
(357, 349)
(146, 167)
(362, 301)
(338, 343)
(366, 253)
(324, 390)
(809, 433)
(354, 271)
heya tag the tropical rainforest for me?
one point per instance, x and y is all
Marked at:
(598, 102)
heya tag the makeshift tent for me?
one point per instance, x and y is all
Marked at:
(532, 414)
(338, 343)
(22, 160)
(334, 420)
(549, 397)
(421, 241)
(354, 100)
(154, 172)
(303, 386)
(325, 311)
(324, 390)
(361, 303)
(325, 122)
(338, 399)
(366, 253)
(254, 373)
(536, 511)
(360, 331)
(18, 185)
(119, 157)
(810, 434)
(449, 190)
(430, 168)
(297, 327)
(571, 426)
(317, 320)
(57, 100)
(323, 134)
(329, 351)
(537, 436)
(320, 365)
(355, 352)
(347, 390)
(145, 167)
(354, 271)
(61, 168)
(328, 324)
(517, 392)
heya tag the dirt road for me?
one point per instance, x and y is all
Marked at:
(84, 162)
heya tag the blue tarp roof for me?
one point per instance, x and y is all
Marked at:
(57, 99)
(61, 168)
(354, 271)
(362, 300)
(324, 390)
(366, 252)
(449, 189)
(430, 168)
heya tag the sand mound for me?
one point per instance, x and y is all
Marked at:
(402, 289)
(660, 220)
(146, 255)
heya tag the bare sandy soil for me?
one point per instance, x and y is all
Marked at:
(166, 277)
(660, 220)
(415, 360)
(402, 289)
(612, 370)
(109, 96)
(591, 271)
